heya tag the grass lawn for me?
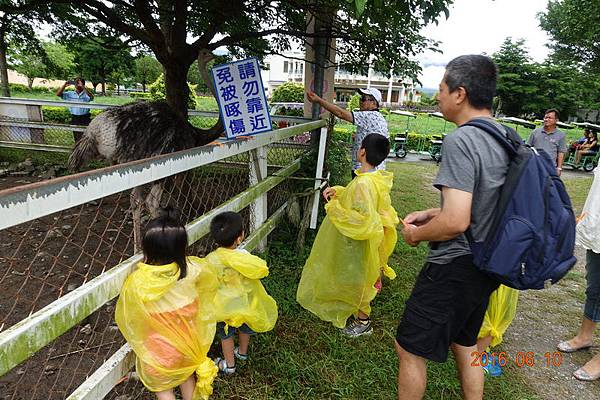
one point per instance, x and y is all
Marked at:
(305, 358)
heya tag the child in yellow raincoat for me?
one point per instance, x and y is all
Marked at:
(500, 313)
(241, 302)
(353, 245)
(165, 313)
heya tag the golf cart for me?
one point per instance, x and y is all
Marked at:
(401, 138)
(587, 162)
(436, 141)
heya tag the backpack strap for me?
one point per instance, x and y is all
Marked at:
(510, 139)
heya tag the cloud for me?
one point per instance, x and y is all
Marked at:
(480, 26)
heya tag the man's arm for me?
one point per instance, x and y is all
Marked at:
(61, 89)
(89, 93)
(332, 108)
(453, 219)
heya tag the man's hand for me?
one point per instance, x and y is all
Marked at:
(558, 171)
(312, 96)
(407, 234)
(418, 218)
(328, 193)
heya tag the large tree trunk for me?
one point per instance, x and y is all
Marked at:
(3, 67)
(30, 83)
(176, 87)
(144, 86)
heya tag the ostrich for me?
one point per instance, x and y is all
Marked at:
(136, 131)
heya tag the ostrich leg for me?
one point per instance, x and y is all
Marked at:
(153, 198)
(137, 201)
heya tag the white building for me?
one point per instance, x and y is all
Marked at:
(280, 69)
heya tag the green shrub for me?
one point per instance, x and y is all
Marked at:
(289, 92)
(61, 115)
(18, 88)
(338, 161)
(140, 95)
(157, 92)
(354, 102)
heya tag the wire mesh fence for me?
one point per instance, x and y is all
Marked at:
(48, 257)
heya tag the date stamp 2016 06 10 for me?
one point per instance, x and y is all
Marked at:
(520, 358)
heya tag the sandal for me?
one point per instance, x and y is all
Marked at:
(240, 356)
(565, 347)
(582, 375)
(223, 368)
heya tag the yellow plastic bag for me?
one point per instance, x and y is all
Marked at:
(241, 298)
(501, 310)
(351, 250)
(170, 325)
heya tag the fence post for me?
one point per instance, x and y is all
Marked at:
(318, 177)
(258, 172)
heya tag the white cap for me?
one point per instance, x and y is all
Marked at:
(372, 92)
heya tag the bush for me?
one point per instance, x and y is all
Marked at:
(289, 92)
(157, 92)
(354, 102)
(338, 162)
(61, 115)
(17, 87)
(140, 95)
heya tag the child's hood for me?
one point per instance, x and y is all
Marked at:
(151, 282)
(249, 265)
(382, 179)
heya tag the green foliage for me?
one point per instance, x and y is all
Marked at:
(338, 162)
(140, 95)
(354, 102)
(574, 28)
(100, 57)
(157, 92)
(526, 88)
(428, 100)
(61, 115)
(289, 92)
(146, 69)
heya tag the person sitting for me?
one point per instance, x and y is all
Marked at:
(588, 148)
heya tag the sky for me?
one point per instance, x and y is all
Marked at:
(480, 26)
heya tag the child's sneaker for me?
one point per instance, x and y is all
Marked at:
(357, 328)
(223, 368)
(492, 367)
(238, 355)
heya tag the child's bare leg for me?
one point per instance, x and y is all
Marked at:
(227, 346)
(187, 388)
(362, 315)
(166, 395)
(244, 340)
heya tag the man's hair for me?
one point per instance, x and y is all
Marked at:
(477, 75)
(226, 227)
(165, 240)
(80, 79)
(377, 148)
(553, 110)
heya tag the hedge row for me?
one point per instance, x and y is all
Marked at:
(415, 141)
(61, 115)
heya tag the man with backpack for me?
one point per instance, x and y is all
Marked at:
(450, 296)
(505, 217)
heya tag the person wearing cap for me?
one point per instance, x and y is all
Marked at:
(367, 120)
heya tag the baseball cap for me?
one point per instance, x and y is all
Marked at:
(372, 92)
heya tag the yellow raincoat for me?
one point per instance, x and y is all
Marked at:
(501, 310)
(241, 298)
(351, 249)
(170, 325)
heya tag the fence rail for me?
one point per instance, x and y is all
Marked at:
(248, 175)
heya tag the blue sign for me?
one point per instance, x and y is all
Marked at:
(241, 97)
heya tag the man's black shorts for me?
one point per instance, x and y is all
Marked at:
(447, 305)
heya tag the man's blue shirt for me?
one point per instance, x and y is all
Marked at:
(82, 97)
